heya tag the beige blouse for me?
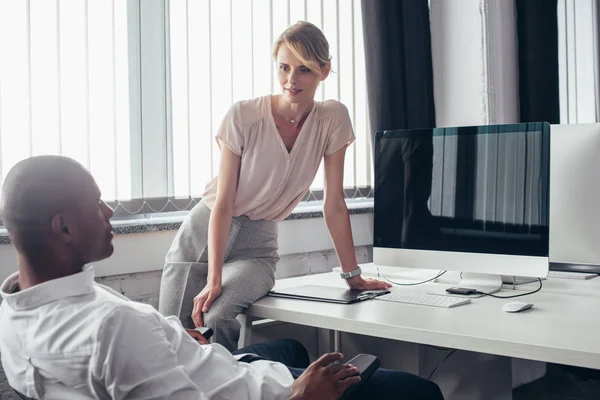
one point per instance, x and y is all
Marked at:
(272, 181)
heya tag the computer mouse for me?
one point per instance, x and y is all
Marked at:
(516, 306)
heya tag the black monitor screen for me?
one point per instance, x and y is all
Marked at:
(482, 189)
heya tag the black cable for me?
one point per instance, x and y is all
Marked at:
(380, 275)
(438, 347)
(513, 296)
(440, 364)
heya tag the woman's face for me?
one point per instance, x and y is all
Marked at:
(298, 82)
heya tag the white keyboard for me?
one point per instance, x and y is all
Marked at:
(424, 299)
(571, 275)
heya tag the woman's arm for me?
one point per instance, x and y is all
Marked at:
(218, 232)
(338, 221)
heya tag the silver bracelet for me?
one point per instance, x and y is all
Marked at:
(348, 275)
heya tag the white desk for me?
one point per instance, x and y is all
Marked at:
(561, 328)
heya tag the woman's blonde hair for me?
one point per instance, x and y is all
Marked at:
(307, 43)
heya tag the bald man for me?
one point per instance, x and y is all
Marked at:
(52, 210)
(65, 337)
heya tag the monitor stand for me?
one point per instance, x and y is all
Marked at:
(484, 283)
(517, 280)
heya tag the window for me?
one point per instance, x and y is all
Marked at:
(135, 90)
(64, 86)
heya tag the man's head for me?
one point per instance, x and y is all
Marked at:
(52, 209)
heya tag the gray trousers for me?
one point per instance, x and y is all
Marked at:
(248, 272)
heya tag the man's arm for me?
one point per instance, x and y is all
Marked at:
(134, 359)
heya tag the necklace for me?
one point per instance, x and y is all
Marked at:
(290, 120)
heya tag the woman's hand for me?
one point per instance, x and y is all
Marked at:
(357, 282)
(203, 301)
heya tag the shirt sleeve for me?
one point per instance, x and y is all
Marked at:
(224, 377)
(230, 132)
(136, 361)
(342, 134)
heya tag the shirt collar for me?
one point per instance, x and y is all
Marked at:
(43, 293)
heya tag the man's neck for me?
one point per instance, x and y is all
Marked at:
(31, 274)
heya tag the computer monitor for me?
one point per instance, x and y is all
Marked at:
(575, 197)
(471, 199)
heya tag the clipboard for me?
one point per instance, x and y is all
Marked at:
(327, 294)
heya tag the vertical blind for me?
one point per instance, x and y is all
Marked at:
(64, 86)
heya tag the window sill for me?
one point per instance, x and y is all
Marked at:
(172, 221)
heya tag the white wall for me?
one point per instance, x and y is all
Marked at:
(474, 62)
(458, 63)
(145, 252)
(578, 61)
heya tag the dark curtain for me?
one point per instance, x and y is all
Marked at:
(537, 32)
(398, 64)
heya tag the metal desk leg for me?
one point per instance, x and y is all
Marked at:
(245, 331)
(335, 337)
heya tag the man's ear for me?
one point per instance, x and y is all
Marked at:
(61, 229)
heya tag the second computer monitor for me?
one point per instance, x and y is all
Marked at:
(575, 197)
(471, 199)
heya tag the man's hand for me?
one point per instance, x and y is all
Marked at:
(323, 380)
(197, 336)
(357, 282)
(203, 301)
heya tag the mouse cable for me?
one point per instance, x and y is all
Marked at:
(438, 347)
(440, 364)
(380, 275)
(513, 296)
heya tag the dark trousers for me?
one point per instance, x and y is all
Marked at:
(383, 384)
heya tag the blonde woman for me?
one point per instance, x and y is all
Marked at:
(224, 255)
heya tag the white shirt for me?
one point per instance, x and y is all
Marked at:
(71, 338)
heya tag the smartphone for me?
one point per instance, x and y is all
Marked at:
(206, 332)
(366, 364)
(461, 290)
